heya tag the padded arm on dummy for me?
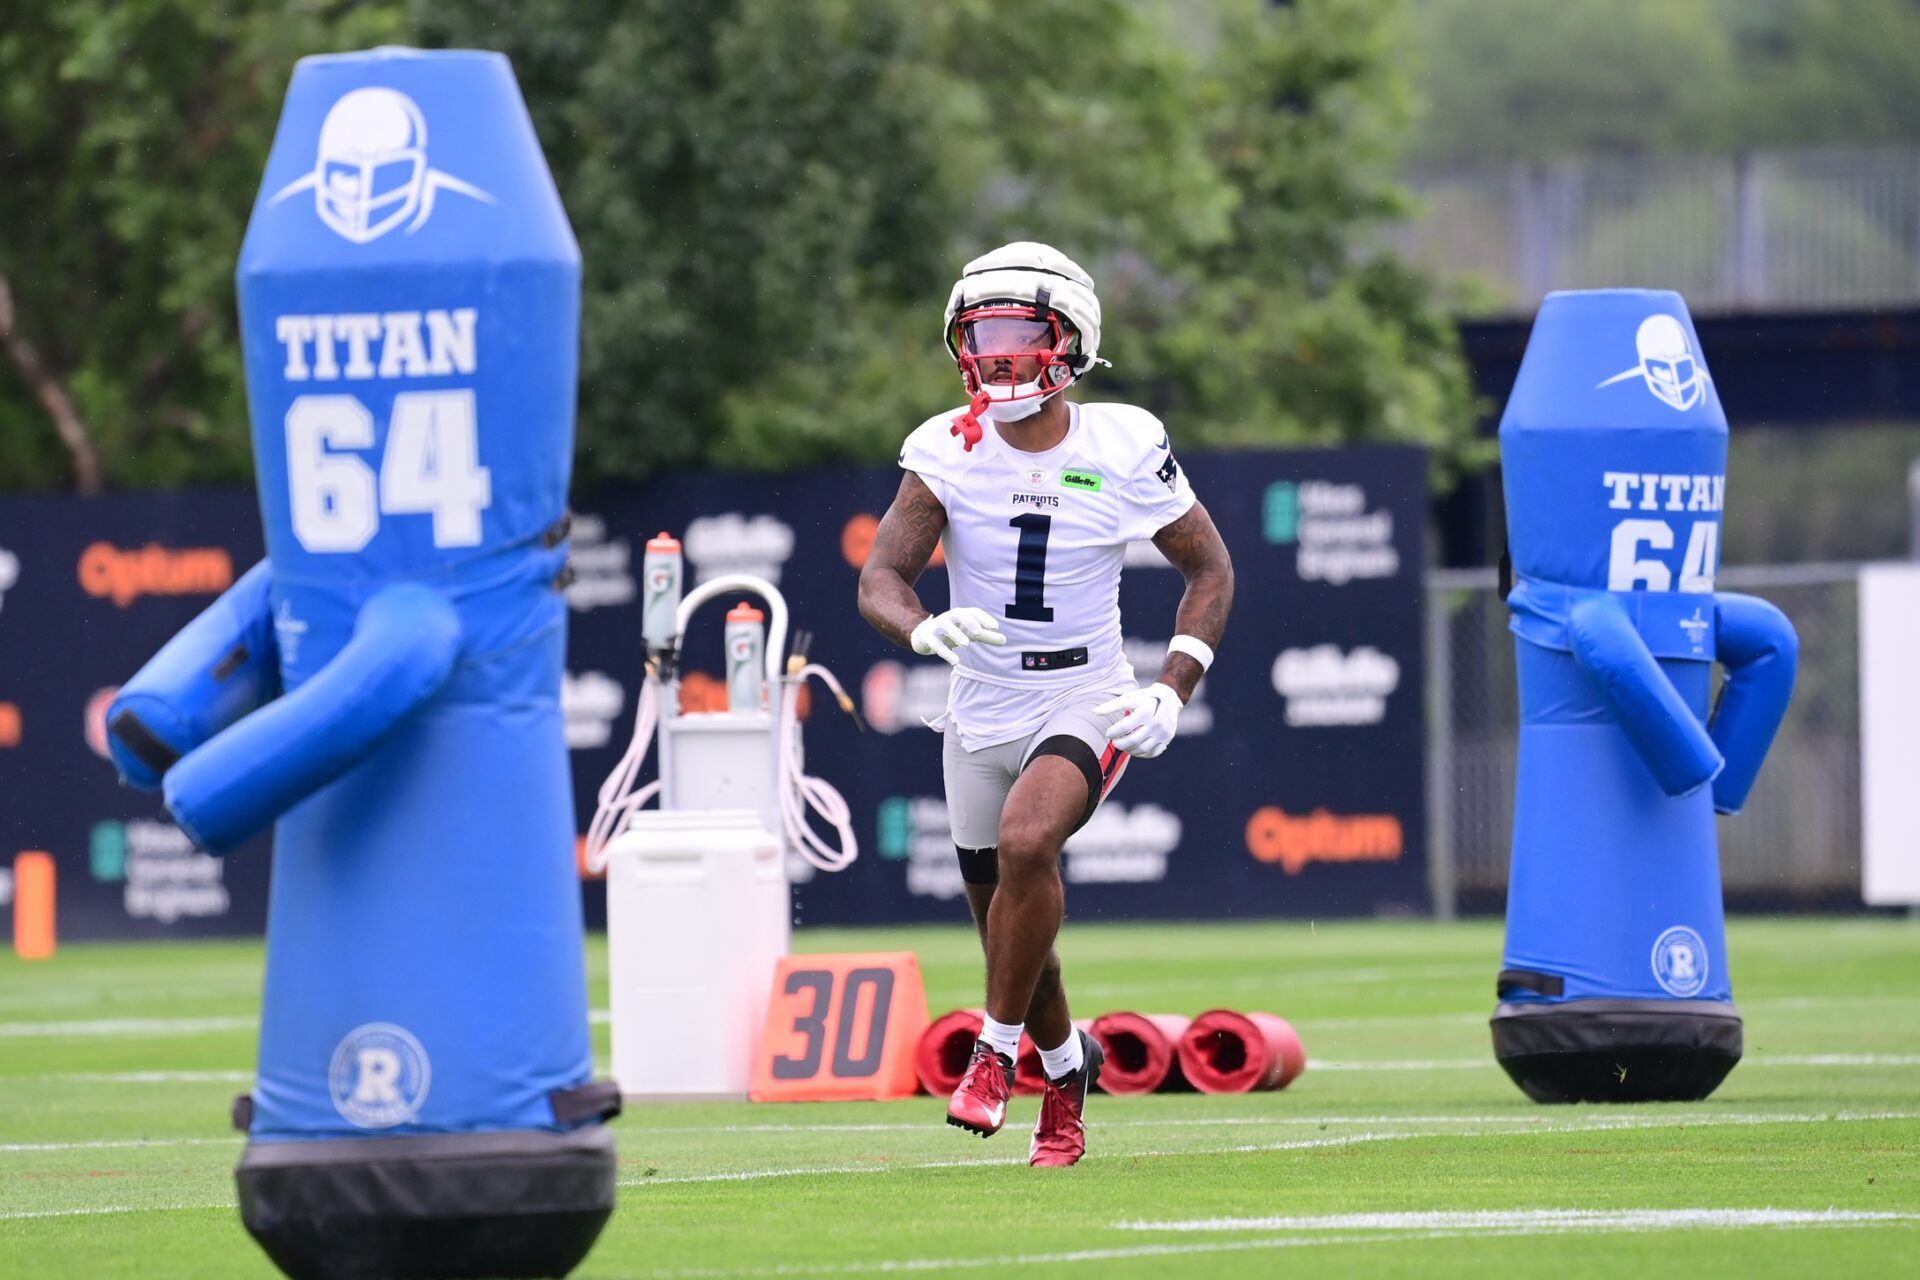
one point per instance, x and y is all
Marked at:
(220, 666)
(1657, 720)
(404, 645)
(1761, 652)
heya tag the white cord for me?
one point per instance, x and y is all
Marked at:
(799, 791)
(618, 799)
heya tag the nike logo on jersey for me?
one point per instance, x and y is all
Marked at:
(1164, 439)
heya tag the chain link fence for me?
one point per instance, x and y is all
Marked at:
(1797, 843)
(1779, 230)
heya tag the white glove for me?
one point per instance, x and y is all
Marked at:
(1149, 718)
(944, 634)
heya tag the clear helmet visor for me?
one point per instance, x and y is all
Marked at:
(1011, 352)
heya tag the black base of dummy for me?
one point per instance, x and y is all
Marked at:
(1617, 1050)
(446, 1206)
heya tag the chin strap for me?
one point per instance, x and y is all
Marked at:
(966, 423)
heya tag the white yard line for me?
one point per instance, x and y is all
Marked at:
(749, 1175)
(134, 1077)
(16, 1215)
(1507, 1219)
(1515, 1224)
(1281, 981)
(1522, 1122)
(112, 1144)
(128, 1027)
(1298, 1144)
(1313, 1064)
(1752, 1060)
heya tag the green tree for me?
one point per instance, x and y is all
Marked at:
(1295, 327)
(772, 200)
(132, 136)
(1537, 79)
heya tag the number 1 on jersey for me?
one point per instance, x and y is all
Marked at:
(1030, 569)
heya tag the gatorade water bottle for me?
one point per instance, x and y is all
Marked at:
(746, 659)
(660, 572)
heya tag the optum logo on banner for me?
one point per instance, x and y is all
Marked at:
(124, 575)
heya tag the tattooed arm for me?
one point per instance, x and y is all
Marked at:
(902, 546)
(1196, 550)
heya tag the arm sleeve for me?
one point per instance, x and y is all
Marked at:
(1656, 719)
(1156, 494)
(1761, 653)
(221, 667)
(404, 645)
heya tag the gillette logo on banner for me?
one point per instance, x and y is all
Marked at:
(732, 543)
(1326, 686)
(1122, 846)
(589, 704)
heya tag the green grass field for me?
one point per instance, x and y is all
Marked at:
(1403, 1150)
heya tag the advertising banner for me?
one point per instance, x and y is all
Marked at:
(1294, 788)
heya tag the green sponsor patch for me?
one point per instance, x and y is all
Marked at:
(1086, 480)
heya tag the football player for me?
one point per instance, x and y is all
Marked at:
(1036, 497)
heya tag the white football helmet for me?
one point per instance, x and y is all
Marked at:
(1028, 301)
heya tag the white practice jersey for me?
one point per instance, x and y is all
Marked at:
(1037, 540)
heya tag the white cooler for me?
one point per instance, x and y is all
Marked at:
(698, 913)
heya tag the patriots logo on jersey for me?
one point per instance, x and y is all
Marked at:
(1169, 470)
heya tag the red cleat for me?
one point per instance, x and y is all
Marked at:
(979, 1104)
(1060, 1138)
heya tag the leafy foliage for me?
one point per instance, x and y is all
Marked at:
(772, 201)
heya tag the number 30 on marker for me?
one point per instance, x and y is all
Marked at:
(841, 1027)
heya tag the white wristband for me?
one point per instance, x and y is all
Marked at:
(1198, 650)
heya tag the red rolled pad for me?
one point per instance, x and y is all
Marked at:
(944, 1049)
(1029, 1076)
(1227, 1052)
(1143, 1052)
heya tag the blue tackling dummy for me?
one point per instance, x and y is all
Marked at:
(384, 689)
(1615, 984)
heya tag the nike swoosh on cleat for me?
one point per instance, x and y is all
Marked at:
(998, 1115)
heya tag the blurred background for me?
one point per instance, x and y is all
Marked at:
(1320, 225)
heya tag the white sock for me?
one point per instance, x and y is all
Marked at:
(1065, 1060)
(1002, 1037)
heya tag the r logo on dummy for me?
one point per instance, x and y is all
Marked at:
(1680, 962)
(379, 1076)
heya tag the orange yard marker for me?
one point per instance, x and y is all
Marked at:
(841, 1028)
(33, 905)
